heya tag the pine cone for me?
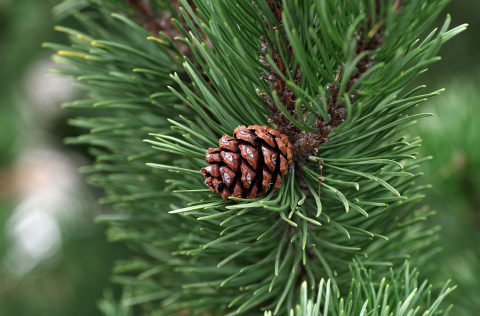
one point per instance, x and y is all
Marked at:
(248, 164)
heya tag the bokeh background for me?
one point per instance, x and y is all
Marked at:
(54, 259)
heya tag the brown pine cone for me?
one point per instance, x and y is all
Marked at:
(248, 164)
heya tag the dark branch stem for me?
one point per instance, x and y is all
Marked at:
(156, 22)
(306, 144)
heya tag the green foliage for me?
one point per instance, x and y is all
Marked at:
(399, 294)
(200, 254)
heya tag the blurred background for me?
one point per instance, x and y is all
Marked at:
(55, 261)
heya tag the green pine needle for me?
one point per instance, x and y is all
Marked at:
(151, 114)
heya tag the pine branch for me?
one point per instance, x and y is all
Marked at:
(201, 254)
(307, 142)
(395, 295)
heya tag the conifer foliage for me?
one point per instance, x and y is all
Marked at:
(164, 81)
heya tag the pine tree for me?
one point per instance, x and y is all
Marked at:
(342, 232)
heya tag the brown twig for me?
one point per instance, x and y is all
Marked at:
(147, 18)
(306, 144)
(156, 22)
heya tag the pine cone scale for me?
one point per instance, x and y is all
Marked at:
(228, 143)
(248, 164)
(278, 182)
(283, 166)
(270, 158)
(255, 190)
(251, 155)
(213, 155)
(232, 160)
(267, 179)
(247, 175)
(238, 189)
(266, 137)
(228, 175)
